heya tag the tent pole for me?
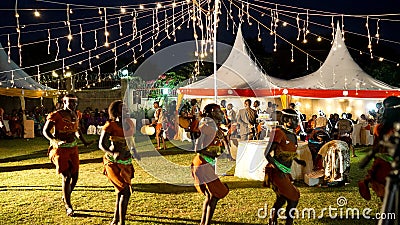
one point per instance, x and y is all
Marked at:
(215, 51)
(22, 99)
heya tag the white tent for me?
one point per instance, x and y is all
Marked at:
(238, 76)
(15, 82)
(338, 77)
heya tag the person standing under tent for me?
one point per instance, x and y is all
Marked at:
(246, 119)
(322, 122)
(344, 127)
(299, 129)
(277, 172)
(118, 156)
(63, 150)
(208, 147)
(231, 114)
(159, 124)
(256, 106)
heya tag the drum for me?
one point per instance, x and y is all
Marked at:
(183, 122)
(147, 130)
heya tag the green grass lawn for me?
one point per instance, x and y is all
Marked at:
(30, 190)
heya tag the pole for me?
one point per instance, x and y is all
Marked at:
(215, 50)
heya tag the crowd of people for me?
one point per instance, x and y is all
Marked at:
(12, 123)
(12, 126)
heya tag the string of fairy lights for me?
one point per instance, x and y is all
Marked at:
(88, 85)
(306, 13)
(114, 35)
(106, 43)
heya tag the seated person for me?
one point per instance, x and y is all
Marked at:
(317, 139)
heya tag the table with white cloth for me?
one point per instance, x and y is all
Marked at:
(250, 160)
(303, 153)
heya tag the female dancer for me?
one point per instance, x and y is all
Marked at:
(277, 172)
(118, 157)
(208, 148)
(63, 150)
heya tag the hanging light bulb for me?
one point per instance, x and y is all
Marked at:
(319, 39)
(36, 13)
(123, 10)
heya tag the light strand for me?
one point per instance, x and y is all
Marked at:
(134, 56)
(19, 33)
(58, 49)
(272, 22)
(12, 78)
(106, 44)
(182, 14)
(247, 10)
(158, 25)
(86, 77)
(140, 41)
(333, 29)
(377, 31)
(134, 25)
(63, 67)
(96, 44)
(9, 49)
(38, 74)
(90, 61)
(189, 16)
(69, 37)
(120, 26)
(173, 20)
(292, 60)
(166, 25)
(81, 35)
(49, 43)
(115, 58)
(369, 38)
(98, 73)
(298, 27)
(342, 28)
